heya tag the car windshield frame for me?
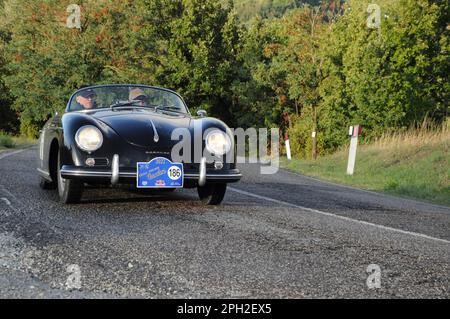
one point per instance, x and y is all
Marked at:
(183, 110)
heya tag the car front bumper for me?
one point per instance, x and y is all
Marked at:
(129, 175)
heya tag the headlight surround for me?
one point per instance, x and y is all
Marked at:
(218, 143)
(89, 138)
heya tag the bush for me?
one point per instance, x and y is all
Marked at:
(29, 128)
(6, 140)
(300, 135)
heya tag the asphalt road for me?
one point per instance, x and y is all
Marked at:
(275, 236)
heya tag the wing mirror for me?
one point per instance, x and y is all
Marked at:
(201, 113)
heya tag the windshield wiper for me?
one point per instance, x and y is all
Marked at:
(122, 104)
(170, 109)
(153, 107)
(133, 104)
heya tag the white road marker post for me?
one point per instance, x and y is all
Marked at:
(354, 132)
(288, 146)
(314, 145)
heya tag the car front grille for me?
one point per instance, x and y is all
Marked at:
(101, 162)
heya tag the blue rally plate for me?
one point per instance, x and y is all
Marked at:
(160, 173)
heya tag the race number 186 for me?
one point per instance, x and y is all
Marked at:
(174, 173)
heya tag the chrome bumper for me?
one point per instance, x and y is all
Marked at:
(115, 175)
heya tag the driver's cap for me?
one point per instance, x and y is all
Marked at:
(88, 93)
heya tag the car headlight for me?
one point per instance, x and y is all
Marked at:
(89, 138)
(218, 143)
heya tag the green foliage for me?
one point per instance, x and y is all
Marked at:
(186, 45)
(47, 60)
(331, 71)
(390, 78)
(282, 71)
(6, 140)
(255, 88)
(300, 135)
(8, 118)
(298, 65)
(248, 9)
(29, 127)
(198, 57)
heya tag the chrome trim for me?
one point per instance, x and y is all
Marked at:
(85, 173)
(115, 170)
(106, 174)
(202, 175)
(45, 173)
(201, 113)
(157, 153)
(155, 132)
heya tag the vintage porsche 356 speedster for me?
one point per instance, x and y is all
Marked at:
(128, 134)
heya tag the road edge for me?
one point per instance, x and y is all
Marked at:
(372, 192)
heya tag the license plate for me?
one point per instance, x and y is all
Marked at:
(160, 173)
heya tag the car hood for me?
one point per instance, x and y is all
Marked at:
(138, 127)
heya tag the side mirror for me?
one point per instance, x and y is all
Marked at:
(201, 113)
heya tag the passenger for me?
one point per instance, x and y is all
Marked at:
(138, 95)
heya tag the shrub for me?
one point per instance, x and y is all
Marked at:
(6, 140)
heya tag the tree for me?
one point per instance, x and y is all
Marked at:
(187, 45)
(8, 118)
(48, 61)
(284, 63)
(258, 89)
(198, 55)
(388, 78)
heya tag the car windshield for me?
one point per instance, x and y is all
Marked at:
(116, 96)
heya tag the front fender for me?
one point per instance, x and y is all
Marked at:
(209, 123)
(71, 123)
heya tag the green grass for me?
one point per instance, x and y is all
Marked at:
(8, 142)
(414, 165)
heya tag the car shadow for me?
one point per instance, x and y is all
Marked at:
(108, 195)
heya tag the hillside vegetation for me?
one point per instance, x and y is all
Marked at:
(248, 9)
(303, 69)
(415, 164)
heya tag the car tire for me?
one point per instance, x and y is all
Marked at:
(69, 190)
(45, 184)
(212, 194)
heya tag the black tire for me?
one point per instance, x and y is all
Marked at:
(69, 190)
(45, 184)
(212, 194)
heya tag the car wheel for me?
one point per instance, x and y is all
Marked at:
(45, 184)
(70, 191)
(212, 194)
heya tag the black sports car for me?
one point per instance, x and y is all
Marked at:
(139, 135)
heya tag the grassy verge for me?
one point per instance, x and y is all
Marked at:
(8, 142)
(413, 164)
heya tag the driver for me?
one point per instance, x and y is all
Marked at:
(86, 99)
